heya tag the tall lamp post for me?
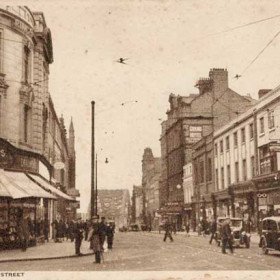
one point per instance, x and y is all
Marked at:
(93, 198)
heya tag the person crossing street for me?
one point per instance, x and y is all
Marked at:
(78, 234)
(226, 236)
(168, 231)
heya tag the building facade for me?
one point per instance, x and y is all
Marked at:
(137, 205)
(246, 153)
(188, 120)
(151, 171)
(34, 158)
(114, 205)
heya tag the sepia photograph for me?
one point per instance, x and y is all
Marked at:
(139, 139)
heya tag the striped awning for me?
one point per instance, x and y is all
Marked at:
(17, 185)
(47, 186)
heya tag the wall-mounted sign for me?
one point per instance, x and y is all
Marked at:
(6, 158)
(59, 165)
(195, 129)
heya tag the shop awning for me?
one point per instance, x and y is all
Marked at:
(17, 185)
(44, 184)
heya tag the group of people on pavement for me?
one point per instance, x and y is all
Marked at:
(95, 232)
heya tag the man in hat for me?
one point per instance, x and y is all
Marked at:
(78, 234)
(226, 236)
(102, 232)
(94, 239)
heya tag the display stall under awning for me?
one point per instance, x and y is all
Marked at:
(17, 185)
(43, 183)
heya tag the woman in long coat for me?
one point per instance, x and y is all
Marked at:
(93, 237)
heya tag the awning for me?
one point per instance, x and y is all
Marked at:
(17, 185)
(47, 186)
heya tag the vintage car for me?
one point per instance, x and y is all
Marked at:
(133, 227)
(270, 234)
(239, 236)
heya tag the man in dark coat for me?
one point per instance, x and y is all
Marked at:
(94, 239)
(168, 231)
(46, 229)
(102, 232)
(110, 235)
(226, 236)
(23, 230)
(213, 229)
(78, 234)
(71, 231)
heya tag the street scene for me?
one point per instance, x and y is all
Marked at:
(140, 136)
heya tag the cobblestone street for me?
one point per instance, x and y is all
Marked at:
(147, 252)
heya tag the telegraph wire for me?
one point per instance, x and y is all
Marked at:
(241, 26)
(259, 54)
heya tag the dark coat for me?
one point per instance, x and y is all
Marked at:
(93, 238)
(226, 231)
(213, 227)
(78, 232)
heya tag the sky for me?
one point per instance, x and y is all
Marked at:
(169, 46)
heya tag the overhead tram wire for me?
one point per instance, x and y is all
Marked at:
(238, 27)
(260, 53)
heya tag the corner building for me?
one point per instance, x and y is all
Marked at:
(32, 137)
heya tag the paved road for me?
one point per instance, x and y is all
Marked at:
(146, 251)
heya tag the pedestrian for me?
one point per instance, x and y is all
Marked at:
(22, 230)
(86, 228)
(188, 228)
(102, 233)
(71, 230)
(94, 239)
(168, 231)
(213, 230)
(110, 235)
(46, 229)
(78, 234)
(55, 230)
(226, 236)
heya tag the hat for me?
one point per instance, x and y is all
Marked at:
(95, 217)
(102, 218)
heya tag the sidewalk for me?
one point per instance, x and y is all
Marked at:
(50, 250)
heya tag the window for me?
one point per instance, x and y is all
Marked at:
(251, 131)
(209, 169)
(216, 149)
(222, 178)
(261, 125)
(25, 123)
(227, 143)
(253, 171)
(221, 147)
(243, 135)
(271, 119)
(217, 179)
(235, 139)
(271, 225)
(228, 175)
(26, 64)
(244, 167)
(236, 172)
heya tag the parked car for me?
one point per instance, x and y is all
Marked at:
(270, 234)
(239, 236)
(133, 227)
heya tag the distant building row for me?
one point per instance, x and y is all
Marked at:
(219, 155)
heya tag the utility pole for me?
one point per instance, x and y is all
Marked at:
(93, 201)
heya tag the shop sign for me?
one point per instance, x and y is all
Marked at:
(260, 195)
(26, 163)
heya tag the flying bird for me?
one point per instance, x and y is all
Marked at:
(121, 60)
(237, 76)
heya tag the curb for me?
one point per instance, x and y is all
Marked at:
(46, 258)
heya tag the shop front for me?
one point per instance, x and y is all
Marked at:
(173, 211)
(25, 192)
